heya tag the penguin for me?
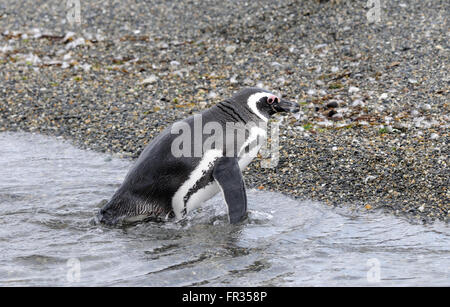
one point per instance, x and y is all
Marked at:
(196, 158)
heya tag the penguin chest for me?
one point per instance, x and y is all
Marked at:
(199, 187)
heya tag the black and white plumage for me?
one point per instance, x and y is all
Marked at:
(163, 184)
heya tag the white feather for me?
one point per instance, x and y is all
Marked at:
(251, 102)
(205, 164)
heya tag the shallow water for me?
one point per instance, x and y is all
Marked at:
(49, 191)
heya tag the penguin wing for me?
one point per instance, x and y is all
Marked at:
(228, 176)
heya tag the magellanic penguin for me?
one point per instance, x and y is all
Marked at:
(195, 158)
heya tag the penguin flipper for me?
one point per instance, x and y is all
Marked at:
(228, 176)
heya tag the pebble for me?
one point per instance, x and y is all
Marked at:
(353, 89)
(383, 96)
(311, 92)
(434, 136)
(150, 80)
(230, 49)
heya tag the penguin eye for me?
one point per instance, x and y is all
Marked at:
(271, 100)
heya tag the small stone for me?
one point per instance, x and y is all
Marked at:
(332, 104)
(86, 67)
(421, 208)
(162, 45)
(69, 37)
(353, 89)
(248, 81)
(150, 80)
(369, 178)
(434, 136)
(276, 64)
(311, 92)
(383, 96)
(426, 107)
(357, 102)
(331, 113)
(230, 49)
(36, 33)
(32, 59)
(322, 92)
(78, 42)
(320, 46)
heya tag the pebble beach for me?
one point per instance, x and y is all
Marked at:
(373, 129)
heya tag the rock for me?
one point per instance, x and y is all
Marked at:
(353, 89)
(332, 104)
(357, 102)
(320, 46)
(230, 49)
(233, 80)
(434, 136)
(319, 82)
(322, 92)
(36, 33)
(331, 113)
(248, 81)
(426, 107)
(69, 37)
(276, 64)
(32, 59)
(78, 42)
(383, 96)
(150, 80)
(369, 178)
(86, 67)
(311, 92)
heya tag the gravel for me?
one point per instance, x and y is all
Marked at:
(374, 123)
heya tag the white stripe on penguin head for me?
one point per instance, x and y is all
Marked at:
(253, 99)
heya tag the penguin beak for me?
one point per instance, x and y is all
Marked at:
(287, 106)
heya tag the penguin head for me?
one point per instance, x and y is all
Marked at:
(263, 103)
